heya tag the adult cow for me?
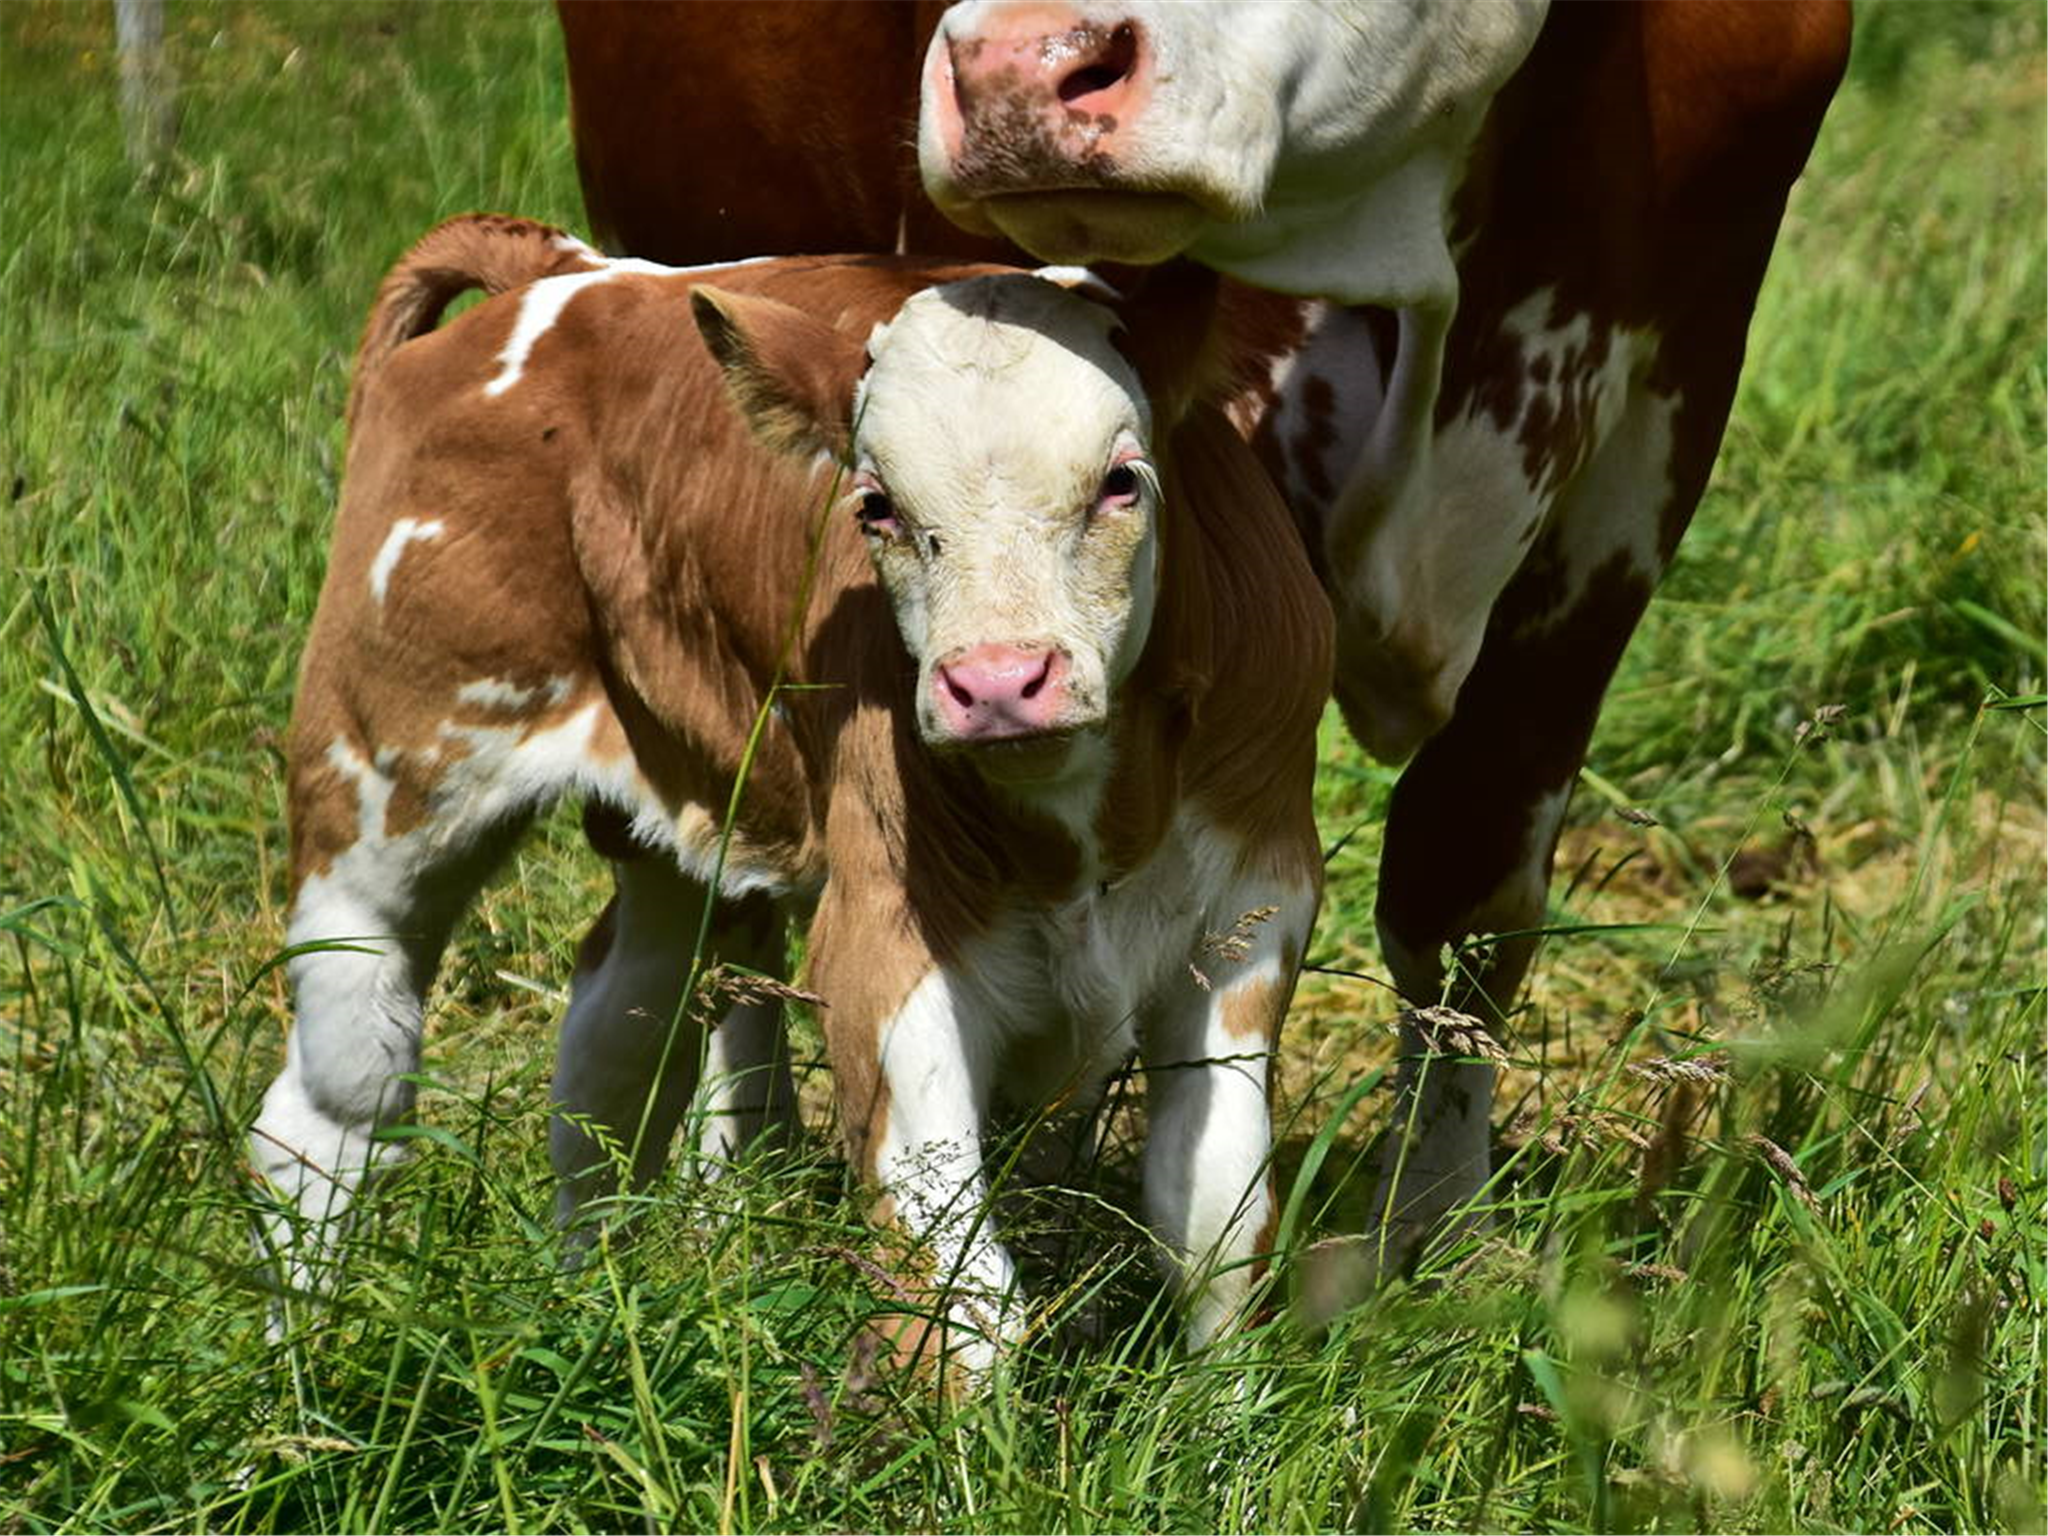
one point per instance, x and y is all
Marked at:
(1526, 245)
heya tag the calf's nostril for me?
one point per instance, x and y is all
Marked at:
(1031, 689)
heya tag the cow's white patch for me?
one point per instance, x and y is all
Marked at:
(1616, 504)
(403, 532)
(1327, 396)
(1431, 525)
(1333, 184)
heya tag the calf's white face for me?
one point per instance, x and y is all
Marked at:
(1232, 130)
(1002, 477)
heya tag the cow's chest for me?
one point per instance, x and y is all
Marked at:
(1515, 410)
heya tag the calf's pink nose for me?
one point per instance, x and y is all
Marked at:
(994, 692)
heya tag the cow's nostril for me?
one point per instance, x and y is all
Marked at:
(1108, 63)
(960, 695)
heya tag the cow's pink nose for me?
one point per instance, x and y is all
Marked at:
(995, 692)
(1035, 61)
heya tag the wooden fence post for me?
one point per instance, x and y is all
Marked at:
(149, 107)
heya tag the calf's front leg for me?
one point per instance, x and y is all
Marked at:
(913, 1077)
(1208, 1054)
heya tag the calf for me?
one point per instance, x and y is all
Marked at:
(883, 596)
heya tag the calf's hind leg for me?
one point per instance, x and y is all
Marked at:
(386, 904)
(630, 1049)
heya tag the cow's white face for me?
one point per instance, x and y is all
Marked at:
(1250, 134)
(1004, 481)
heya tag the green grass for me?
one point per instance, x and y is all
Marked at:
(1815, 1302)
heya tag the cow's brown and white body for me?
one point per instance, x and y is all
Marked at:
(1523, 244)
(1012, 785)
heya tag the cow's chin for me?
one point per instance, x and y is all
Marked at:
(1081, 225)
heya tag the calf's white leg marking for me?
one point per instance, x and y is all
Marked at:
(747, 1092)
(392, 900)
(936, 1068)
(356, 1026)
(627, 1057)
(1208, 1056)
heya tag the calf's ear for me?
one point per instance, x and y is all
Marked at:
(790, 374)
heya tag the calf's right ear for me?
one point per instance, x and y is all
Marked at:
(790, 375)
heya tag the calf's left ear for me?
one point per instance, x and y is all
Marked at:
(790, 374)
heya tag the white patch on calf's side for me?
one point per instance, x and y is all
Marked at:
(504, 770)
(372, 782)
(496, 693)
(541, 305)
(403, 532)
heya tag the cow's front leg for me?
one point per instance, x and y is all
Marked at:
(1475, 817)
(1209, 1052)
(913, 1074)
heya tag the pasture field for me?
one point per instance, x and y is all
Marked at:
(1767, 1249)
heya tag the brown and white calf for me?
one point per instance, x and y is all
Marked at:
(1024, 655)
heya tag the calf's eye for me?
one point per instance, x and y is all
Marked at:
(875, 513)
(1119, 487)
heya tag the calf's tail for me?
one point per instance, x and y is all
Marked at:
(491, 251)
